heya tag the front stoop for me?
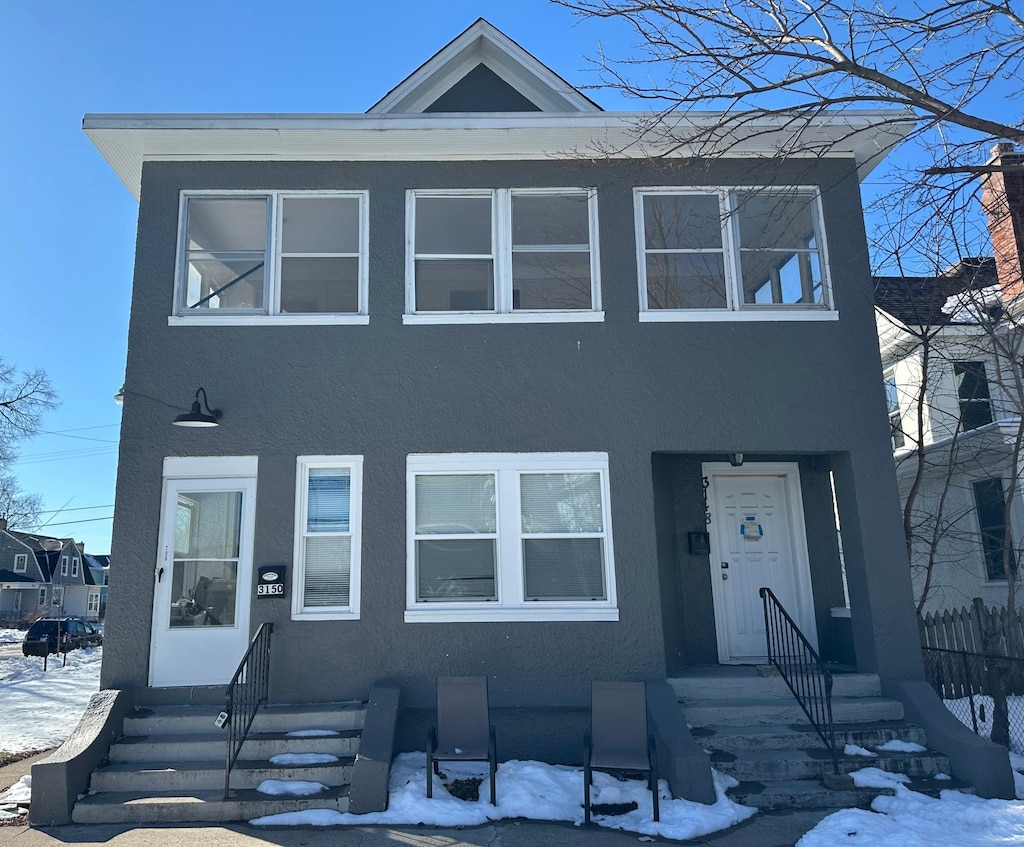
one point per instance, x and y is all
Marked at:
(754, 730)
(168, 766)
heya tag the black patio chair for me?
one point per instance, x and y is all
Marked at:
(618, 737)
(463, 732)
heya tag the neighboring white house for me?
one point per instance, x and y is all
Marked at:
(951, 362)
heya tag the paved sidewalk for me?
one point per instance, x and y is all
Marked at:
(776, 830)
(10, 774)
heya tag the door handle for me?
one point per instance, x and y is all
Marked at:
(159, 574)
(725, 576)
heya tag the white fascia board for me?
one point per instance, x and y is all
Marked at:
(126, 141)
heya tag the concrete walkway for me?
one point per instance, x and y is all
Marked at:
(774, 830)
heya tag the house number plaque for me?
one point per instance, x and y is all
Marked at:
(270, 581)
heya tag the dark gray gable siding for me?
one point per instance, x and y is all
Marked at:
(9, 548)
(482, 90)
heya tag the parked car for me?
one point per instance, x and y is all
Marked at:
(42, 637)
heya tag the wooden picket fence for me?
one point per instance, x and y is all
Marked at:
(974, 629)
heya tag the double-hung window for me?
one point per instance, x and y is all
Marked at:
(723, 254)
(892, 399)
(990, 504)
(502, 255)
(328, 518)
(973, 394)
(63, 565)
(285, 257)
(74, 566)
(20, 562)
(509, 536)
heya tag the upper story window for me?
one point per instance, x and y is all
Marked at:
(714, 254)
(990, 503)
(509, 536)
(74, 566)
(502, 255)
(63, 565)
(892, 399)
(327, 537)
(20, 562)
(286, 257)
(973, 394)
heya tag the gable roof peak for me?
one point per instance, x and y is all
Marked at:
(482, 44)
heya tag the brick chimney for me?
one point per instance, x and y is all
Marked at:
(1002, 198)
(81, 547)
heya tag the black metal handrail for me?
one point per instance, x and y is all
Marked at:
(802, 668)
(247, 690)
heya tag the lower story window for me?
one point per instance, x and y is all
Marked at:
(327, 537)
(509, 536)
(990, 503)
(94, 603)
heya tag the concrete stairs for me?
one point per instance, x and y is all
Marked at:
(168, 765)
(754, 730)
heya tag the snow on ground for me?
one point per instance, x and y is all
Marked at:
(897, 746)
(11, 636)
(910, 819)
(983, 703)
(1017, 763)
(40, 710)
(19, 794)
(303, 759)
(855, 750)
(290, 787)
(877, 778)
(531, 790)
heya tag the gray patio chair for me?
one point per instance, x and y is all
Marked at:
(463, 732)
(618, 737)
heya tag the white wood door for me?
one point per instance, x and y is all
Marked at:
(203, 581)
(757, 539)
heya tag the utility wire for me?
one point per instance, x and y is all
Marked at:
(82, 520)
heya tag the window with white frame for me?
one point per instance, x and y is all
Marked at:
(502, 254)
(74, 566)
(892, 399)
(328, 519)
(42, 596)
(290, 256)
(93, 606)
(63, 565)
(522, 536)
(20, 562)
(706, 253)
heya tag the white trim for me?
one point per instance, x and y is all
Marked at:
(23, 558)
(209, 467)
(509, 578)
(709, 316)
(354, 465)
(790, 472)
(127, 141)
(270, 310)
(75, 564)
(731, 252)
(501, 257)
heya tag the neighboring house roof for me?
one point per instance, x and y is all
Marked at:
(921, 301)
(10, 576)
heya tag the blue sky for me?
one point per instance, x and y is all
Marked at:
(69, 238)
(68, 226)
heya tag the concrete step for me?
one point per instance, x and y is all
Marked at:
(738, 738)
(749, 685)
(811, 794)
(198, 720)
(776, 765)
(138, 776)
(196, 806)
(773, 712)
(170, 749)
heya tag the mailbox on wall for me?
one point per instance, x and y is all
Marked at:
(270, 581)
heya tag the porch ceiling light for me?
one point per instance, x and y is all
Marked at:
(196, 417)
(736, 459)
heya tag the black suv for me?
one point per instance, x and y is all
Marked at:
(41, 637)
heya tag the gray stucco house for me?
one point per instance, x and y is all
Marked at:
(500, 395)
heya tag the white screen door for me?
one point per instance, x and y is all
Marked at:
(203, 581)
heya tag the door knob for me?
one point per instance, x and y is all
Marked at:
(725, 576)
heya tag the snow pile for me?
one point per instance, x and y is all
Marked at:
(40, 710)
(312, 733)
(854, 750)
(19, 794)
(11, 636)
(303, 759)
(897, 746)
(1017, 763)
(877, 778)
(973, 307)
(530, 790)
(290, 787)
(911, 819)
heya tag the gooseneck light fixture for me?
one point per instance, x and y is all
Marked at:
(196, 417)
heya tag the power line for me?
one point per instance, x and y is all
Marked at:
(78, 437)
(76, 509)
(81, 520)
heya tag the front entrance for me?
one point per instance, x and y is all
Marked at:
(757, 538)
(203, 581)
